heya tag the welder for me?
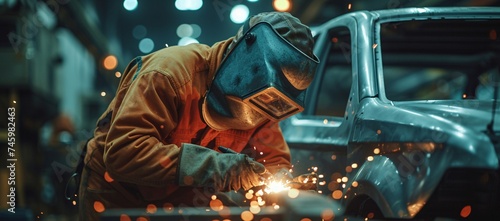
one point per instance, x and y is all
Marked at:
(157, 143)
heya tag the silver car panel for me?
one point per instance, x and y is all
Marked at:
(401, 150)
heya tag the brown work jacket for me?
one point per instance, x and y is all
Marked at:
(131, 161)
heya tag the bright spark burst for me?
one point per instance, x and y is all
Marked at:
(276, 187)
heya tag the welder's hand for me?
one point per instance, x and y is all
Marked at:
(306, 181)
(202, 167)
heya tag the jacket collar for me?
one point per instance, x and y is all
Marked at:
(215, 57)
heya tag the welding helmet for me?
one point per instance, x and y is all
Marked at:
(263, 75)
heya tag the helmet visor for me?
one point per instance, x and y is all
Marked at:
(273, 104)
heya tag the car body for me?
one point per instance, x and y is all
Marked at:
(401, 119)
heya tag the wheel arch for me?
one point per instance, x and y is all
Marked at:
(379, 181)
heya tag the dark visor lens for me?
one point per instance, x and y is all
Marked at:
(274, 104)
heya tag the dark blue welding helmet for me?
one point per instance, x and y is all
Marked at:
(262, 77)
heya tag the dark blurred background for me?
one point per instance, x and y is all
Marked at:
(61, 61)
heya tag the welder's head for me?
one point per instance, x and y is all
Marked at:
(264, 74)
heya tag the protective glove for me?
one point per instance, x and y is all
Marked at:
(202, 167)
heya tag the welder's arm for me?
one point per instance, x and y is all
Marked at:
(274, 153)
(143, 114)
(203, 167)
(268, 147)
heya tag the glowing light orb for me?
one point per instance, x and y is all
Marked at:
(99, 207)
(466, 211)
(130, 5)
(239, 14)
(110, 62)
(151, 208)
(293, 193)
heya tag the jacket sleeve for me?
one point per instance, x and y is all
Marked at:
(270, 147)
(134, 152)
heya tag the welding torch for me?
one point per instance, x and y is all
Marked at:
(304, 181)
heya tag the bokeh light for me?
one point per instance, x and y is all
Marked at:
(99, 207)
(130, 5)
(151, 208)
(293, 193)
(282, 5)
(187, 40)
(110, 62)
(168, 207)
(355, 184)
(125, 217)
(185, 5)
(196, 30)
(466, 211)
(255, 209)
(188, 33)
(216, 205)
(225, 212)
(139, 32)
(239, 14)
(184, 30)
(146, 45)
(327, 214)
(337, 194)
(246, 215)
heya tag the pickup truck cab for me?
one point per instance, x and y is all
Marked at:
(401, 120)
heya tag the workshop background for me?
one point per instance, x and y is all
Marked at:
(61, 61)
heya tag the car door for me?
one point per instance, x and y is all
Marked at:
(318, 137)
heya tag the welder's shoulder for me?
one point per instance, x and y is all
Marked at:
(176, 61)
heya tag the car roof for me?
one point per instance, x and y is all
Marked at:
(417, 13)
(437, 12)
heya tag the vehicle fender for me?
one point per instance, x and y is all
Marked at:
(378, 179)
